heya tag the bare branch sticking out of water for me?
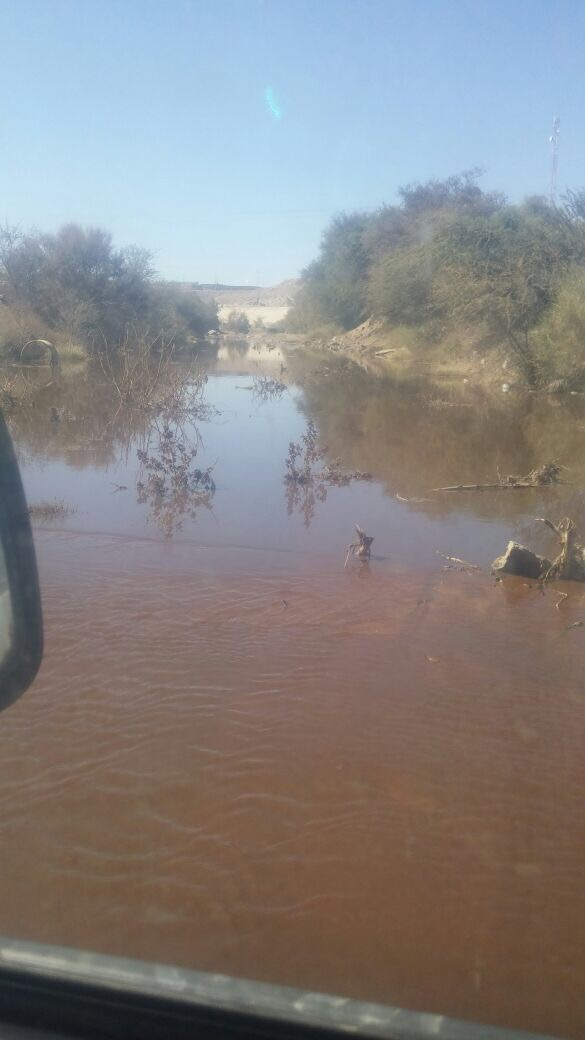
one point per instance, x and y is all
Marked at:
(147, 379)
(543, 476)
(570, 562)
(361, 549)
(569, 565)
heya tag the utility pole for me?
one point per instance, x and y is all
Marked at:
(554, 143)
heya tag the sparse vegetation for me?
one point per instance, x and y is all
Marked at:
(149, 382)
(50, 510)
(237, 321)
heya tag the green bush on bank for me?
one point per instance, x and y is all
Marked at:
(560, 338)
(453, 256)
(76, 289)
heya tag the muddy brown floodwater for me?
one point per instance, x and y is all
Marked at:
(240, 757)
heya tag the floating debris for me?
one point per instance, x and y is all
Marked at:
(543, 476)
(461, 565)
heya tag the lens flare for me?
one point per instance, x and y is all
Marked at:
(272, 104)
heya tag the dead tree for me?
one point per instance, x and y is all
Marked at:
(570, 563)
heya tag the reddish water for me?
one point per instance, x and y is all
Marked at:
(364, 781)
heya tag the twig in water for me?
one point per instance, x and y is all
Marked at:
(562, 596)
(543, 476)
(455, 559)
(401, 498)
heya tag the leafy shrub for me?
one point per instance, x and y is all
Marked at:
(76, 282)
(453, 257)
(176, 316)
(560, 338)
(400, 287)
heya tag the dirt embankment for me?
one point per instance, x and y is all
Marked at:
(376, 344)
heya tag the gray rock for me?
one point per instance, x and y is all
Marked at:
(519, 560)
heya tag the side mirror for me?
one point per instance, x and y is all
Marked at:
(21, 621)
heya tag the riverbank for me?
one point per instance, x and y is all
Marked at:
(382, 349)
(460, 355)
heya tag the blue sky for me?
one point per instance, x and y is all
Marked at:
(223, 134)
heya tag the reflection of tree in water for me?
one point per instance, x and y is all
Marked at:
(236, 347)
(303, 484)
(303, 499)
(98, 414)
(306, 480)
(266, 388)
(82, 417)
(170, 483)
(413, 434)
(77, 418)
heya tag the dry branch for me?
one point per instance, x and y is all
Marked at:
(570, 562)
(461, 563)
(543, 476)
(362, 549)
(569, 565)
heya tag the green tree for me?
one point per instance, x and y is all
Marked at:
(400, 287)
(503, 271)
(75, 280)
(335, 285)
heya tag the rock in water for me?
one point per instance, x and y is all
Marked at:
(519, 560)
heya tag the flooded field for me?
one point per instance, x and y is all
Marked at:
(240, 756)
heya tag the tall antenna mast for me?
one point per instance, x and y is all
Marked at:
(554, 142)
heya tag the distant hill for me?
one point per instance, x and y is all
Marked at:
(280, 295)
